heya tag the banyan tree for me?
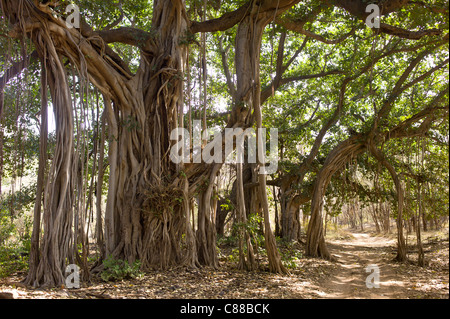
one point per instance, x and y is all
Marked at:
(148, 214)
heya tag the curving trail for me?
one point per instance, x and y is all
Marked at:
(349, 279)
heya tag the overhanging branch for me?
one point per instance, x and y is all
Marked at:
(407, 34)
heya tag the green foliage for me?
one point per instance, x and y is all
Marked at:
(19, 202)
(15, 230)
(234, 256)
(290, 258)
(13, 259)
(252, 227)
(14, 244)
(7, 227)
(227, 205)
(290, 255)
(117, 269)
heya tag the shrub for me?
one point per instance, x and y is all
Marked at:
(117, 269)
(14, 247)
(12, 259)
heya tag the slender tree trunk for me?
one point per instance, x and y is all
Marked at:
(34, 248)
(424, 221)
(361, 217)
(246, 255)
(99, 191)
(374, 214)
(401, 245)
(338, 157)
(248, 95)
(206, 231)
(277, 217)
(421, 256)
(2, 101)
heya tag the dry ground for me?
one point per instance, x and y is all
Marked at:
(396, 280)
(311, 279)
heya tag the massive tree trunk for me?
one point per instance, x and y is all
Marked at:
(148, 207)
(148, 200)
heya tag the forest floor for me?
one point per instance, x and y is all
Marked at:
(310, 278)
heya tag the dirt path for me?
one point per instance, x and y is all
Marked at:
(349, 280)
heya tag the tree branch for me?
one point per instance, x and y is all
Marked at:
(226, 69)
(292, 59)
(399, 88)
(125, 35)
(118, 20)
(230, 19)
(407, 34)
(357, 8)
(225, 22)
(267, 91)
(406, 128)
(297, 26)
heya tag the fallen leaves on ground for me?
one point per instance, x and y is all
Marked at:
(305, 281)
